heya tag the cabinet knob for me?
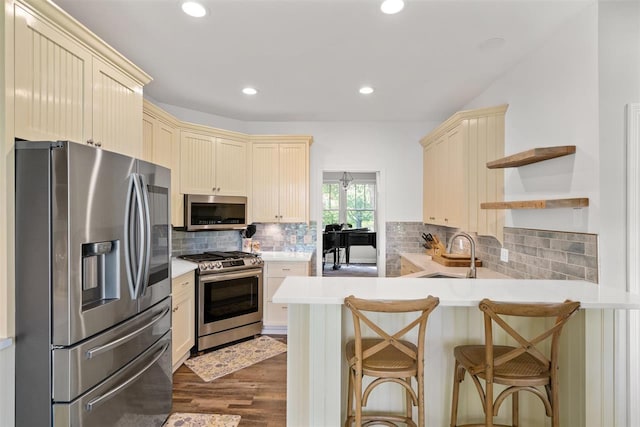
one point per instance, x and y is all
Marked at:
(218, 189)
(90, 141)
(175, 309)
(98, 144)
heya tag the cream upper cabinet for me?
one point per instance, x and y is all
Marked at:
(161, 145)
(53, 82)
(212, 165)
(231, 167)
(65, 91)
(117, 110)
(280, 186)
(455, 176)
(197, 163)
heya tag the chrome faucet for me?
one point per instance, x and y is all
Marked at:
(471, 274)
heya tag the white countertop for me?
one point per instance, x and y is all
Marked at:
(180, 267)
(286, 256)
(428, 267)
(452, 292)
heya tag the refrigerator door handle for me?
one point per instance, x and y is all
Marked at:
(143, 234)
(114, 391)
(128, 262)
(115, 343)
(146, 239)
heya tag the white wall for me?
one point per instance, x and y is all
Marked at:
(573, 90)
(553, 100)
(389, 147)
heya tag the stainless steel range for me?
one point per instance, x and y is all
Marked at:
(228, 297)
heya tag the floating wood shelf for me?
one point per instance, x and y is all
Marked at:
(582, 202)
(531, 156)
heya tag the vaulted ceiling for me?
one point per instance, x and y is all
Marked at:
(308, 58)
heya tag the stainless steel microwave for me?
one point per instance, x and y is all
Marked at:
(214, 212)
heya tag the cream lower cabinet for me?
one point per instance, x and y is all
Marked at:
(63, 91)
(213, 165)
(160, 145)
(275, 315)
(455, 177)
(183, 333)
(280, 186)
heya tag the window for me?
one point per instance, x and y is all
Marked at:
(361, 205)
(356, 205)
(330, 203)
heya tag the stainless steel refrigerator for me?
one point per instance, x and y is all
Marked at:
(93, 283)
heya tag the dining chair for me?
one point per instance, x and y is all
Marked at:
(387, 357)
(527, 366)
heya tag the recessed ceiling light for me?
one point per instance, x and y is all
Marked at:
(366, 90)
(249, 91)
(391, 6)
(194, 9)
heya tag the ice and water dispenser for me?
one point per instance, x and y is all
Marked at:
(100, 273)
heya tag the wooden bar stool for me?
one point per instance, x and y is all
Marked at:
(387, 358)
(521, 368)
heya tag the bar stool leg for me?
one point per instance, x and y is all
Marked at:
(456, 390)
(350, 392)
(514, 409)
(421, 399)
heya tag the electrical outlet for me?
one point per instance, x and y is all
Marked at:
(307, 239)
(293, 239)
(504, 255)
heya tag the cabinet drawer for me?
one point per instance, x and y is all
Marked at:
(182, 284)
(284, 269)
(276, 313)
(272, 286)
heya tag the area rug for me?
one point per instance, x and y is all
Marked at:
(233, 358)
(181, 419)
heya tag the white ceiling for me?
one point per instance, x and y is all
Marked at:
(308, 58)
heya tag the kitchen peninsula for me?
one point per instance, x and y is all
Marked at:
(317, 374)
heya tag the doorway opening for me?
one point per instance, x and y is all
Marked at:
(349, 224)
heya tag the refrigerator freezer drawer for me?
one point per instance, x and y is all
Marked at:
(76, 369)
(137, 395)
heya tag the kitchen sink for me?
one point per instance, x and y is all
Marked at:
(441, 276)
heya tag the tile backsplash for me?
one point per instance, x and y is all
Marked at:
(533, 254)
(296, 237)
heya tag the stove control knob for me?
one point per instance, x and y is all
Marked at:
(209, 266)
(217, 264)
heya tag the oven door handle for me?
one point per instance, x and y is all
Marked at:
(220, 277)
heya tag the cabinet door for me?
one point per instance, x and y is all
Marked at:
(275, 313)
(166, 152)
(441, 198)
(117, 110)
(265, 174)
(429, 185)
(148, 130)
(294, 185)
(454, 188)
(52, 83)
(231, 167)
(197, 164)
(183, 315)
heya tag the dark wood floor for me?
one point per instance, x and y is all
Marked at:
(257, 393)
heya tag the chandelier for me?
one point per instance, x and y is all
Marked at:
(346, 180)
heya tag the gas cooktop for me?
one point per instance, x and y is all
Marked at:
(217, 262)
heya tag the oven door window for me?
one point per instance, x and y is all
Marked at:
(230, 298)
